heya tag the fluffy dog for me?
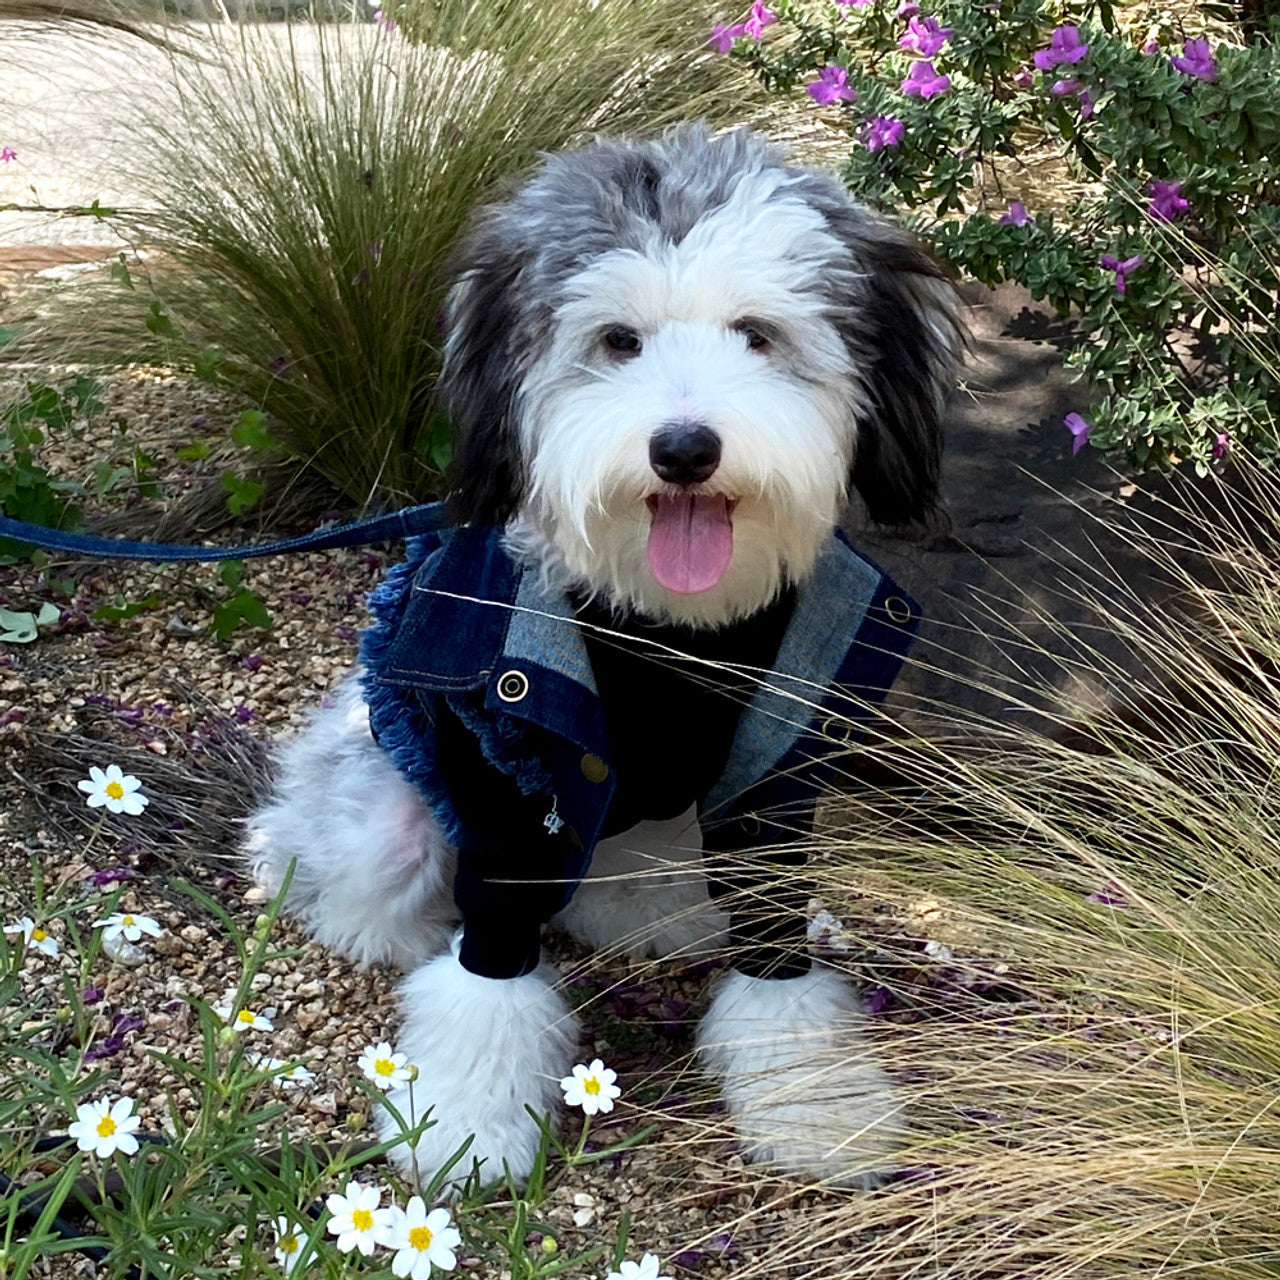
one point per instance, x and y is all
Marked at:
(670, 364)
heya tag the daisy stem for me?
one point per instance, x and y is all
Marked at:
(413, 1149)
(582, 1137)
(93, 835)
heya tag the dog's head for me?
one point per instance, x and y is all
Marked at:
(670, 362)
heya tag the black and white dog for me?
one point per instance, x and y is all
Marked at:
(670, 364)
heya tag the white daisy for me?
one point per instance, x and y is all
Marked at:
(289, 1241)
(422, 1240)
(645, 1269)
(357, 1220)
(287, 1075)
(243, 1020)
(118, 791)
(128, 926)
(102, 1128)
(591, 1088)
(34, 936)
(382, 1065)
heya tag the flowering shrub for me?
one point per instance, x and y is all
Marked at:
(1167, 259)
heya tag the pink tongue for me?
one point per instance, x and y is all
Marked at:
(690, 542)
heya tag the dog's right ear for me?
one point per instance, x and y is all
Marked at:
(478, 377)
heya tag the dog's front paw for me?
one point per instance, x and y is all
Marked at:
(485, 1049)
(797, 1076)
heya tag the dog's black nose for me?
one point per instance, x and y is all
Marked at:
(684, 452)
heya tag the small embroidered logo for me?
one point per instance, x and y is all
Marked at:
(553, 821)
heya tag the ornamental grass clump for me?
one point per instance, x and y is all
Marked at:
(1126, 175)
(304, 185)
(1070, 943)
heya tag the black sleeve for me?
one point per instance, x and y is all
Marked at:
(511, 869)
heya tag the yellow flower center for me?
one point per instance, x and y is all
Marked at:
(38, 935)
(591, 1085)
(106, 1127)
(384, 1066)
(288, 1244)
(245, 1015)
(115, 790)
(362, 1219)
(127, 920)
(420, 1238)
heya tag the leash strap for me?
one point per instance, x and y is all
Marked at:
(407, 523)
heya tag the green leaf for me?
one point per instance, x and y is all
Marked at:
(242, 493)
(243, 607)
(207, 363)
(120, 272)
(17, 628)
(231, 572)
(197, 452)
(250, 431)
(159, 323)
(125, 610)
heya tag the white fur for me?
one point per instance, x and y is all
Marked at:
(372, 874)
(646, 894)
(799, 1079)
(485, 1048)
(785, 417)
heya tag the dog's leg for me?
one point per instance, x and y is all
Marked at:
(646, 894)
(485, 1049)
(798, 1077)
(371, 870)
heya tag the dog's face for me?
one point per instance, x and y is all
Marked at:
(670, 361)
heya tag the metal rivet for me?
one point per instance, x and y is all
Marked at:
(512, 686)
(898, 609)
(593, 768)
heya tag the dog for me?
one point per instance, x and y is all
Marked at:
(603, 693)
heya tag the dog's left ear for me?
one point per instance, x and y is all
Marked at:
(916, 343)
(900, 319)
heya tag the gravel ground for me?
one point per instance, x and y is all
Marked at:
(192, 719)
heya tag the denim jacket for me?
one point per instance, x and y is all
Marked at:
(463, 631)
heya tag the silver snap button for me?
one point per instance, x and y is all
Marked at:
(512, 686)
(898, 609)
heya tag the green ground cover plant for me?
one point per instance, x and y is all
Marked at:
(1162, 245)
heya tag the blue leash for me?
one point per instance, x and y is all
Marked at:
(407, 523)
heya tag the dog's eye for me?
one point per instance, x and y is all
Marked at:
(623, 342)
(757, 339)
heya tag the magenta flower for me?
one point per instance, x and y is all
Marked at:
(1197, 60)
(925, 36)
(1086, 104)
(1151, 45)
(908, 9)
(1023, 79)
(1110, 895)
(1123, 269)
(384, 21)
(832, 85)
(1166, 201)
(1017, 215)
(722, 37)
(1064, 88)
(882, 131)
(761, 17)
(924, 81)
(1064, 46)
(1221, 446)
(1079, 429)
(7, 154)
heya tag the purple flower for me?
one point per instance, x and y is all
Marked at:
(126, 1023)
(384, 21)
(1110, 895)
(1152, 45)
(722, 37)
(278, 367)
(112, 875)
(1197, 60)
(882, 131)
(92, 995)
(761, 16)
(106, 1048)
(1017, 215)
(1023, 79)
(924, 81)
(1064, 88)
(251, 661)
(1086, 104)
(7, 154)
(1064, 46)
(244, 714)
(1079, 429)
(1166, 201)
(832, 85)
(925, 36)
(1122, 269)
(1221, 446)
